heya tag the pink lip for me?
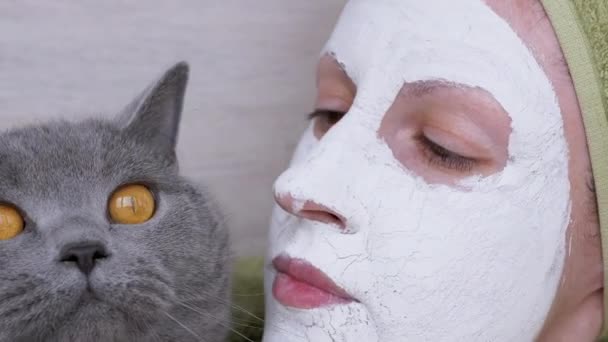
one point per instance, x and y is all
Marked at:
(300, 285)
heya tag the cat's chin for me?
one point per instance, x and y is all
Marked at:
(92, 304)
(102, 321)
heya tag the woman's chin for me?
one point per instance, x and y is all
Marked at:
(339, 323)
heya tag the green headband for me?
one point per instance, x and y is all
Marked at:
(582, 29)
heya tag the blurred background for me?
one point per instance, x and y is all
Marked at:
(252, 80)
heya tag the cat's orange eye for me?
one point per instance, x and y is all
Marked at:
(11, 222)
(131, 204)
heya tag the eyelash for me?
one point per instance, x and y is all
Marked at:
(440, 156)
(331, 116)
(435, 154)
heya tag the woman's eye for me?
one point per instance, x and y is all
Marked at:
(331, 116)
(324, 120)
(131, 204)
(437, 155)
(11, 222)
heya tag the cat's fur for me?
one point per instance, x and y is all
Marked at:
(164, 280)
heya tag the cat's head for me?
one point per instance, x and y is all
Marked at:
(114, 245)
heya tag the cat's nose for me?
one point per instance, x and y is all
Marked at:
(83, 255)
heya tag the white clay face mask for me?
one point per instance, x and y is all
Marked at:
(426, 262)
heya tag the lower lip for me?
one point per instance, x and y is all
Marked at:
(297, 294)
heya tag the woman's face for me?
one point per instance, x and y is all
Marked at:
(429, 198)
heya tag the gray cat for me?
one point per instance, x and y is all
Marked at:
(74, 273)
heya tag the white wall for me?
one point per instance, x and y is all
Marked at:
(252, 80)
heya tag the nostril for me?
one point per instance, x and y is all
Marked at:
(83, 255)
(100, 255)
(310, 210)
(323, 216)
(70, 258)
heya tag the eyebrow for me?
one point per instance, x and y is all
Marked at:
(421, 88)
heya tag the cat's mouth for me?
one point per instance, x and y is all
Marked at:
(89, 295)
(89, 299)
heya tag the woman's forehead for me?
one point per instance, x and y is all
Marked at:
(383, 44)
(526, 18)
(381, 33)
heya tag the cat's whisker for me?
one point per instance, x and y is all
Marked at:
(7, 297)
(245, 325)
(248, 295)
(243, 310)
(234, 306)
(245, 322)
(152, 331)
(237, 308)
(183, 326)
(218, 320)
(234, 321)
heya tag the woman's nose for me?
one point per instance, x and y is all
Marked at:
(310, 210)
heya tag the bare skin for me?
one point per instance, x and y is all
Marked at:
(475, 145)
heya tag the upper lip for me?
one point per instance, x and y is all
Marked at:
(305, 272)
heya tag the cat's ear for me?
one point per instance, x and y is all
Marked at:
(154, 115)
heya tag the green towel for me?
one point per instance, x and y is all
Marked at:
(248, 300)
(582, 29)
